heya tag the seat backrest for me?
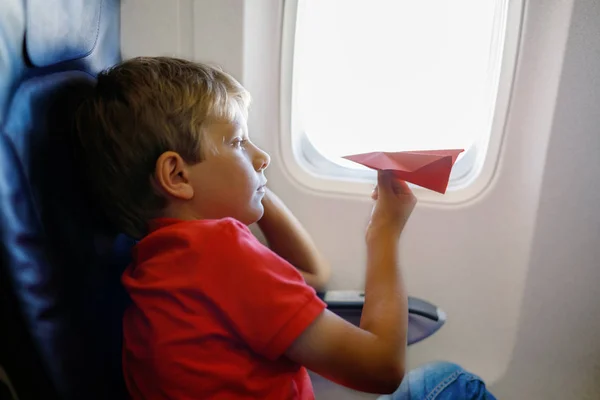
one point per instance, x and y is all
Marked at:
(60, 298)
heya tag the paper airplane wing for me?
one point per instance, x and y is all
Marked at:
(428, 168)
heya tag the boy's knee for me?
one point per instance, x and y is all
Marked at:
(453, 381)
(443, 368)
(442, 380)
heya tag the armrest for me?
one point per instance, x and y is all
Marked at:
(354, 300)
(424, 318)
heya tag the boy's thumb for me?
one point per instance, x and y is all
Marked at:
(383, 181)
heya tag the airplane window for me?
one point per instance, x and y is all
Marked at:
(393, 75)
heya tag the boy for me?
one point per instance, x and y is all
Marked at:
(215, 314)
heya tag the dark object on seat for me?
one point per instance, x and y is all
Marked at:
(5, 392)
(60, 298)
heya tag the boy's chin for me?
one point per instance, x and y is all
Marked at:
(259, 215)
(254, 216)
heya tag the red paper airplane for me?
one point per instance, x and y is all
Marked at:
(428, 168)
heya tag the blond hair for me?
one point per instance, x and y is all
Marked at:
(140, 109)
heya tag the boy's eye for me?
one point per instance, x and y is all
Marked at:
(240, 142)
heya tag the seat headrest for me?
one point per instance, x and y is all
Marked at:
(61, 30)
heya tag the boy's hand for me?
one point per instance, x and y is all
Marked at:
(287, 237)
(394, 203)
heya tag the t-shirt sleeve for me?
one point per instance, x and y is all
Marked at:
(261, 295)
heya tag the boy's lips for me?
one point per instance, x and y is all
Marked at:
(262, 187)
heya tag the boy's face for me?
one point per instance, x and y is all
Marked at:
(230, 181)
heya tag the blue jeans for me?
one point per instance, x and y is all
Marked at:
(440, 381)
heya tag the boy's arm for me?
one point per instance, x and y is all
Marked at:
(288, 238)
(369, 358)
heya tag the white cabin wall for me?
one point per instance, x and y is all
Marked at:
(210, 31)
(497, 264)
(557, 352)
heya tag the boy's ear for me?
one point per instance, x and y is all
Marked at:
(171, 175)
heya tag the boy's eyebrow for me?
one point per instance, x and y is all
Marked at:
(239, 127)
(233, 129)
(236, 125)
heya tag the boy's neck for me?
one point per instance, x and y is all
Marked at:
(179, 211)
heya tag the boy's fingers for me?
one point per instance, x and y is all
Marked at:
(400, 187)
(390, 184)
(375, 193)
(382, 177)
(383, 180)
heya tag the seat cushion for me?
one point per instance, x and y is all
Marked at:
(47, 236)
(60, 297)
(12, 36)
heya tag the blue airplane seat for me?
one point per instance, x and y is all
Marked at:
(60, 297)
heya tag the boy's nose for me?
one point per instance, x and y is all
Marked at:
(262, 160)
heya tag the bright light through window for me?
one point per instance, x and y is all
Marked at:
(393, 75)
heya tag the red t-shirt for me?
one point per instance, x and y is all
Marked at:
(213, 312)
